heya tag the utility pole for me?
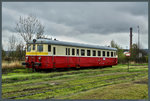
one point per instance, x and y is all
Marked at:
(130, 40)
(138, 36)
(138, 42)
(138, 58)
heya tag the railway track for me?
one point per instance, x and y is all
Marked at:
(9, 80)
(108, 82)
(52, 85)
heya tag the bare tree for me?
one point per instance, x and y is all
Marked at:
(3, 53)
(29, 27)
(20, 51)
(12, 46)
(12, 43)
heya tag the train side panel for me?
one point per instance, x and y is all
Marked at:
(59, 61)
(57, 56)
(67, 62)
(49, 62)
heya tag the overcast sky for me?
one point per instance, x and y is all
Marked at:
(83, 22)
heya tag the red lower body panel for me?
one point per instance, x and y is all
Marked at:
(48, 62)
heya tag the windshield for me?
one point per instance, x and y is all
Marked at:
(40, 48)
(28, 48)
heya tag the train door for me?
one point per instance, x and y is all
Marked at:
(78, 58)
(60, 61)
(68, 57)
(34, 58)
(53, 58)
(99, 61)
(49, 58)
(104, 58)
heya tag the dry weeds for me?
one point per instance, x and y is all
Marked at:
(11, 65)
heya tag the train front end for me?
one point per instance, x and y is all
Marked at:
(35, 55)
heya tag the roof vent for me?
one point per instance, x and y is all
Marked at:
(55, 39)
(34, 40)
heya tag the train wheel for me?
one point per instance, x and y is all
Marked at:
(77, 66)
(37, 70)
(33, 69)
(110, 66)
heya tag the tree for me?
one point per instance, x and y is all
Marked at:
(114, 45)
(29, 28)
(138, 55)
(12, 46)
(121, 56)
(20, 52)
(134, 53)
(134, 56)
(3, 53)
(12, 43)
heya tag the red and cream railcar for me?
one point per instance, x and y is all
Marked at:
(48, 54)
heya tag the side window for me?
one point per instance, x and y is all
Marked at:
(49, 48)
(77, 52)
(94, 52)
(99, 53)
(40, 48)
(115, 54)
(82, 52)
(107, 54)
(68, 51)
(103, 53)
(54, 50)
(88, 53)
(111, 54)
(73, 51)
(33, 47)
(28, 48)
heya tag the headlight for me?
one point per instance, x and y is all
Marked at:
(27, 58)
(39, 58)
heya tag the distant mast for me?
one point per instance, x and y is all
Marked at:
(138, 36)
(130, 40)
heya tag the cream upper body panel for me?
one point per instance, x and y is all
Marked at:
(61, 51)
(56, 48)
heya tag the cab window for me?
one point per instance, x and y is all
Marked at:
(40, 48)
(114, 53)
(28, 48)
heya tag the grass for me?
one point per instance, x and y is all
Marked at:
(118, 91)
(100, 83)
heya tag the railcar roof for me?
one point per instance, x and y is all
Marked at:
(56, 42)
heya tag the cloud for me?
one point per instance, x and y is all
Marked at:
(89, 22)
